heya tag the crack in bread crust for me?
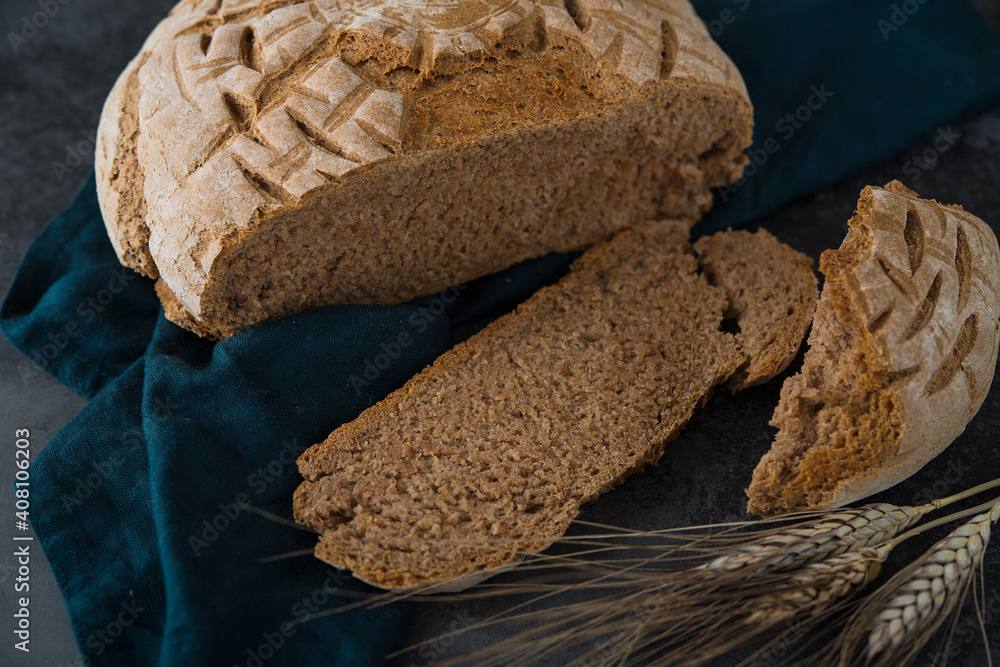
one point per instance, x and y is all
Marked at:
(126, 205)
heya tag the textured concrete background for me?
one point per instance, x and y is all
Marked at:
(51, 93)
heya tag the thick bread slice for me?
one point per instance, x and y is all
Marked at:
(266, 157)
(490, 452)
(902, 354)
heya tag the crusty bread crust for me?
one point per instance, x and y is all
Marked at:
(488, 454)
(901, 357)
(237, 152)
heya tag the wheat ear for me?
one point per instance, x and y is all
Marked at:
(753, 585)
(789, 548)
(765, 606)
(739, 587)
(898, 620)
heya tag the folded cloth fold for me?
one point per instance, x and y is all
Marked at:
(162, 505)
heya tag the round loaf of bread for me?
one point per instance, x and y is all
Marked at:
(902, 354)
(261, 158)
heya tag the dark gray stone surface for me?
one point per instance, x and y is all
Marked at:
(51, 91)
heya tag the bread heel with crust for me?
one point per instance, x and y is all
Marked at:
(902, 354)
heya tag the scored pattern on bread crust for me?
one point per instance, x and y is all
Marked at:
(929, 292)
(246, 106)
(902, 354)
(226, 59)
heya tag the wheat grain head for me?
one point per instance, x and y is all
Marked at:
(894, 623)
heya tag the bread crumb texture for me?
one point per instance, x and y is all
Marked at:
(489, 453)
(262, 158)
(901, 355)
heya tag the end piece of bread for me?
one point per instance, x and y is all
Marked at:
(902, 354)
(262, 158)
(489, 453)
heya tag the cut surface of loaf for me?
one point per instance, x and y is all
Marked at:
(489, 453)
(901, 355)
(261, 158)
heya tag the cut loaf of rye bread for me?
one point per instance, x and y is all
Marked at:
(902, 354)
(262, 158)
(488, 454)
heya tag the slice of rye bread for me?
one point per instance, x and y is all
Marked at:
(902, 354)
(489, 453)
(262, 158)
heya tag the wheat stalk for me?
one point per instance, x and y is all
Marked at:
(753, 584)
(787, 549)
(895, 623)
(745, 587)
(722, 555)
(648, 624)
(733, 587)
(810, 588)
(765, 606)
